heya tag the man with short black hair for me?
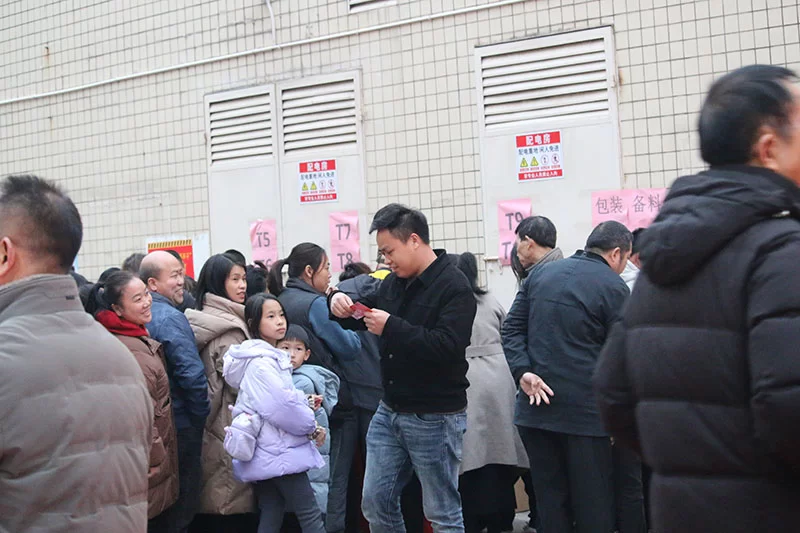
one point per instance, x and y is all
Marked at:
(133, 262)
(552, 341)
(423, 314)
(536, 242)
(163, 274)
(75, 412)
(703, 373)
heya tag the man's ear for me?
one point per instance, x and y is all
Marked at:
(8, 256)
(764, 148)
(151, 285)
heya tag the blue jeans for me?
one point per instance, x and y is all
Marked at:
(399, 444)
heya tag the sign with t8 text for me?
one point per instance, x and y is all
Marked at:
(345, 239)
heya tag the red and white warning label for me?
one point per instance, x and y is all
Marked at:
(539, 156)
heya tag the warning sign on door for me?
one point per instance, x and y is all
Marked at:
(318, 182)
(539, 156)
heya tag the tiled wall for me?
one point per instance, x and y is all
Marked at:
(132, 153)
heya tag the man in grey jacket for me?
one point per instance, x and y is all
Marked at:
(75, 414)
(536, 242)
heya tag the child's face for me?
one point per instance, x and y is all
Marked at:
(297, 351)
(273, 322)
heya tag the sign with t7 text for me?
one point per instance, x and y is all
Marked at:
(345, 239)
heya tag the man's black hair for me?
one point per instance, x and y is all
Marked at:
(176, 255)
(401, 221)
(236, 256)
(637, 240)
(133, 262)
(737, 106)
(256, 279)
(539, 229)
(48, 221)
(609, 235)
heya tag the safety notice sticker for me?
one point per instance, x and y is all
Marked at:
(318, 182)
(539, 156)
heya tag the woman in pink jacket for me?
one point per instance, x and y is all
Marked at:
(272, 437)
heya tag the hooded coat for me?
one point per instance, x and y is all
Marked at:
(263, 376)
(313, 379)
(218, 326)
(702, 376)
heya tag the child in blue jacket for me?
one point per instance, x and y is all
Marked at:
(313, 381)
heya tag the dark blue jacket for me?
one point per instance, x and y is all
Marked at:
(556, 329)
(364, 373)
(187, 375)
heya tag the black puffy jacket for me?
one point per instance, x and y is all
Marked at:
(702, 376)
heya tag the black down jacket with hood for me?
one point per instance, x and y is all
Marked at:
(702, 376)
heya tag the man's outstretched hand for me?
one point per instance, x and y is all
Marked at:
(341, 305)
(537, 390)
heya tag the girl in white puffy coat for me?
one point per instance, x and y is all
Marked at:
(274, 435)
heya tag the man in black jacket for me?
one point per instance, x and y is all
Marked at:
(552, 338)
(423, 314)
(702, 375)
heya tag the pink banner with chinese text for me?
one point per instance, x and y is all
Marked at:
(635, 208)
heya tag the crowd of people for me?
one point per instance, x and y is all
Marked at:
(268, 400)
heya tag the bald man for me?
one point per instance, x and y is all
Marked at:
(75, 414)
(163, 275)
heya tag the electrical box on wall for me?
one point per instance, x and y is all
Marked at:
(292, 152)
(549, 136)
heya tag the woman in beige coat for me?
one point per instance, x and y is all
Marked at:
(218, 323)
(493, 454)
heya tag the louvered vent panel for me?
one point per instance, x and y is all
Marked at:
(240, 128)
(554, 81)
(363, 5)
(319, 116)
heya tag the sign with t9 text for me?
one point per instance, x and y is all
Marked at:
(509, 214)
(264, 241)
(345, 239)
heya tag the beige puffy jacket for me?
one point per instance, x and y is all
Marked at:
(217, 327)
(75, 417)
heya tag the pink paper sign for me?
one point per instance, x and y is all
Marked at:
(509, 214)
(345, 240)
(635, 208)
(264, 241)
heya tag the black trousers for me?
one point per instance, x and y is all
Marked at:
(572, 478)
(177, 518)
(628, 496)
